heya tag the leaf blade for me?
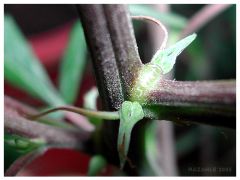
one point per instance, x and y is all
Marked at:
(72, 65)
(166, 58)
(22, 68)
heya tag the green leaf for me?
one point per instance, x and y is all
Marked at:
(169, 19)
(151, 151)
(22, 145)
(130, 113)
(188, 141)
(16, 146)
(166, 58)
(21, 67)
(73, 64)
(96, 165)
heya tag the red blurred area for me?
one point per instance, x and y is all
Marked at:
(61, 162)
(49, 46)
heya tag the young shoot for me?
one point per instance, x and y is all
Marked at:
(162, 62)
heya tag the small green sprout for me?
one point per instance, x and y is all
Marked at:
(166, 58)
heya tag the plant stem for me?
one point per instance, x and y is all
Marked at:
(89, 113)
(208, 102)
(113, 48)
(124, 44)
(106, 72)
(202, 17)
(163, 29)
(201, 93)
(15, 123)
(99, 42)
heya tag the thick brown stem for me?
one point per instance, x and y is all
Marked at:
(124, 44)
(107, 75)
(99, 42)
(111, 40)
(209, 102)
(195, 93)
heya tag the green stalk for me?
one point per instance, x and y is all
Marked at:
(89, 113)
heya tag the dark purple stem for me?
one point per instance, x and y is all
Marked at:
(100, 45)
(113, 48)
(124, 44)
(210, 102)
(195, 93)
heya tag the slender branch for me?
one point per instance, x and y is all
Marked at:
(23, 109)
(210, 102)
(90, 113)
(206, 14)
(163, 28)
(15, 123)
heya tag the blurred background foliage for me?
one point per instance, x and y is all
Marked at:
(52, 68)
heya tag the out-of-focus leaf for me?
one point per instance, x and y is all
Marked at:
(10, 155)
(199, 68)
(21, 144)
(166, 58)
(151, 165)
(22, 68)
(72, 65)
(170, 19)
(96, 165)
(187, 142)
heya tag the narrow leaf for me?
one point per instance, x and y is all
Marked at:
(21, 67)
(166, 58)
(151, 150)
(73, 64)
